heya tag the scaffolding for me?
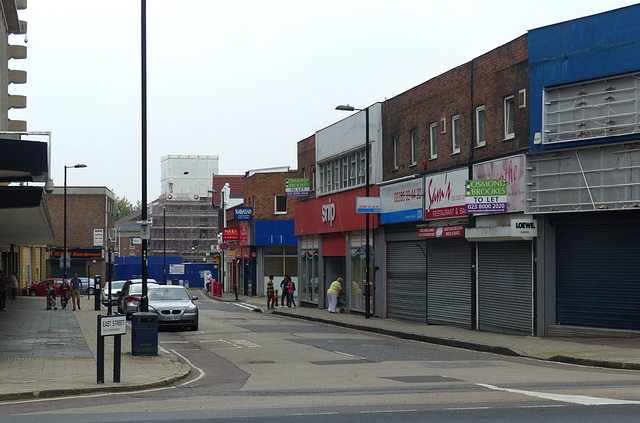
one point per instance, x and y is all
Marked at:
(188, 223)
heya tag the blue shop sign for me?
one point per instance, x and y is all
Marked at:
(244, 213)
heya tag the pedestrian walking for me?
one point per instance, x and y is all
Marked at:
(208, 278)
(65, 293)
(4, 282)
(76, 289)
(270, 293)
(14, 285)
(291, 288)
(332, 294)
(283, 290)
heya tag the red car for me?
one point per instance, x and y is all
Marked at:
(41, 288)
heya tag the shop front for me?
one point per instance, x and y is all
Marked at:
(86, 262)
(428, 260)
(586, 201)
(331, 244)
(505, 253)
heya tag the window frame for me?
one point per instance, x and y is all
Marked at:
(509, 117)
(455, 134)
(276, 210)
(433, 140)
(394, 143)
(414, 147)
(481, 141)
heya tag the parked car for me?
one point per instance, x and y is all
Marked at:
(88, 285)
(129, 298)
(116, 286)
(41, 288)
(115, 291)
(174, 306)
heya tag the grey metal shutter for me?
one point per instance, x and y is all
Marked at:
(449, 282)
(505, 287)
(406, 281)
(598, 276)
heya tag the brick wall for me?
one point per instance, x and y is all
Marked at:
(260, 190)
(307, 161)
(84, 214)
(486, 80)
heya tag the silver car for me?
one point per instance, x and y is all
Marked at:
(116, 286)
(173, 305)
(88, 285)
(129, 297)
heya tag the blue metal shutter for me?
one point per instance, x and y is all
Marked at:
(598, 276)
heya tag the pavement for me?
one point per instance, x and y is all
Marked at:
(50, 353)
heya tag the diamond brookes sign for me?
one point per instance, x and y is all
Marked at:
(297, 187)
(486, 196)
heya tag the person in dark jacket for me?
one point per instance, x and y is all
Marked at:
(4, 283)
(76, 289)
(283, 290)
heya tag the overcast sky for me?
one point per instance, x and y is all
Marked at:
(243, 80)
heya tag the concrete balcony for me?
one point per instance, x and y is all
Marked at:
(17, 77)
(17, 125)
(17, 102)
(17, 52)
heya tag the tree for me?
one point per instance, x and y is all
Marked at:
(123, 207)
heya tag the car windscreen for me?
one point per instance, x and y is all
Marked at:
(115, 285)
(168, 294)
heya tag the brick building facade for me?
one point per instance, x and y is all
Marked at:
(485, 82)
(88, 209)
(268, 246)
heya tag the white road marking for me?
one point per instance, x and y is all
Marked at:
(236, 343)
(573, 399)
(349, 355)
(247, 306)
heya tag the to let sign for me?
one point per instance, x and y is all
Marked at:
(113, 325)
(486, 196)
(297, 187)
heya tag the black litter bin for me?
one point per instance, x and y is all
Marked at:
(144, 334)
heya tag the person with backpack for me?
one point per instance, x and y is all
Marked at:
(290, 288)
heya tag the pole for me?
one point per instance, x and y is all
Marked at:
(366, 269)
(164, 242)
(144, 302)
(64, 251)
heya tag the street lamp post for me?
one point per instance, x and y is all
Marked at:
(64, 253)
(367, 287)
(164, 242)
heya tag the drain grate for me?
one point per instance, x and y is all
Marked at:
(54, 344)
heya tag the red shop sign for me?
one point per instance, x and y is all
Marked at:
(230, 234)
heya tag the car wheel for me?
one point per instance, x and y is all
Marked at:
(33, 293)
